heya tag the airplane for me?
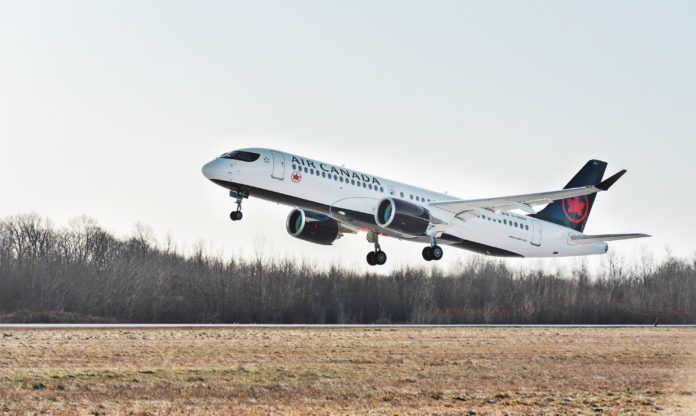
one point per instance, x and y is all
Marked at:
(330, 201)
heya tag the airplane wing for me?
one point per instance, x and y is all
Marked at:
(465, 209)
(586, 239)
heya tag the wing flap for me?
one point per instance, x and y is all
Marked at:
(465, 209)
(470, 208)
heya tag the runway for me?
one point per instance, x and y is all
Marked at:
(231, 326)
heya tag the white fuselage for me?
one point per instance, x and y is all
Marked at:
(351, 197)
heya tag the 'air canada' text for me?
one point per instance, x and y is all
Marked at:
(338, 171)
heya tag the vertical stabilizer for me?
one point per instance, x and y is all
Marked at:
(573, 212)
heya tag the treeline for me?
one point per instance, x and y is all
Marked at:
(83, 272)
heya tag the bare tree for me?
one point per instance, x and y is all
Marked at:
(84, 273)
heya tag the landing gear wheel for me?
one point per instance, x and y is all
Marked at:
(239, 196)
(371, 258)
(377, 256)
(380, 257)
(437, 252)
(428, 253)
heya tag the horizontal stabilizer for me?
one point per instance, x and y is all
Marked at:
(586, 239)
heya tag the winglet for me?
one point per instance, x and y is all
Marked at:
(608, 182)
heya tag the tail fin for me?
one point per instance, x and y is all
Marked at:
(573, 212)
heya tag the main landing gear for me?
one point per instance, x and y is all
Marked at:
(433, 251)
(237, 215)
(378, 256)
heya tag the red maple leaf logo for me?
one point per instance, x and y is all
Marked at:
(575, 206)
(296, 177)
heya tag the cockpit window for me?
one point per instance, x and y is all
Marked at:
(241, 155)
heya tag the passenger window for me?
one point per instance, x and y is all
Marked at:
(306, 169)
(369, 186)
(417, 198)
(381, 189)
(341, 179)
(411, 195)
(364, 185)
(293, 167)
(402, 194)
(323, 174)
(505, 222)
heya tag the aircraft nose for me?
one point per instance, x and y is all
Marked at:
(209, 169)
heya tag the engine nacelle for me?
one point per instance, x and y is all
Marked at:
(402, 216)
(312, 226)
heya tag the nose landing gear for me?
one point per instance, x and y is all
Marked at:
(377, 257)
(237, 215)
(433, 251)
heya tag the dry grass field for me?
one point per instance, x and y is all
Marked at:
(304, 371)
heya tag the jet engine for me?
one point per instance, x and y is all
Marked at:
(313, 227)
(402, 216)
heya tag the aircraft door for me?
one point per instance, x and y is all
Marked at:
(536, 233)
(278, 166)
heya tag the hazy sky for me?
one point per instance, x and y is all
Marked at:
(110, 109)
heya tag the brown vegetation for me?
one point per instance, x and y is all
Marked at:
(84, 270)
(380, 370)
